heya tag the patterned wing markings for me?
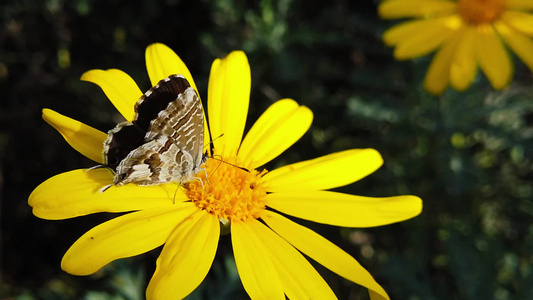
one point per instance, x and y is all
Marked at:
(127, 136)
(183, 122)
(157, 99)
(155, 162)
(171, 147)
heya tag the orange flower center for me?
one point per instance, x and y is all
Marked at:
(480, 11)
(230, 193)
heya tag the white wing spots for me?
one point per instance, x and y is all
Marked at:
(187, 128)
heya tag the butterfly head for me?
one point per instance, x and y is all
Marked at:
(120, 179)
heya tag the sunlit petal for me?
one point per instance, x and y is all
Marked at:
(124, 236)
(280, 126)
(521, 44)
(254, 264)
(83, 138)
(77, 193)
(298, 278)
(326, 172)
(186, 257)
(228, 99)
(119, 87)
(161, 62)
(463, 66)
(492, 56)
(345, 210)
(395, 9)
(322, 251)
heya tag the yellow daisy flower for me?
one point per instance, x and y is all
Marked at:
(469, 33)
(188, 221)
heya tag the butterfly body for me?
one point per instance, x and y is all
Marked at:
(164, 142)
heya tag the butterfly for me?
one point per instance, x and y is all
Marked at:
(164, 142)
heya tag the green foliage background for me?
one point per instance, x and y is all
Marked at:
(467, 155)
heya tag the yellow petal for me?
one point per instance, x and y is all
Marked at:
(228, 99)
(398, 33)
(520, 21)
(119, 87)
(463, 68)
(519, 4)
(345, 210)
(326, 172)
(254, 264)
(417, 38)
(404, 30)
(420, 43)
(84, 139)
(493, 57)
(124, 236)
(161, 62)
(395, 9)
(439, 70)
(77, 193)
(186, 258)
(322, 251)
(518, 42)
(298, 277)
(280, 126)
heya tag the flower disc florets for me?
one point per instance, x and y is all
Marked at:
(229, 192)
(480, 11)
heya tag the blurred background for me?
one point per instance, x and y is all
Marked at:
(467, 155)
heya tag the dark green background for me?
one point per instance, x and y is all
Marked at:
(467, 155)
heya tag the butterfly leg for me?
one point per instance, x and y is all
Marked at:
(206, 178)
(201, 181)
(105, 188)
(175, 192)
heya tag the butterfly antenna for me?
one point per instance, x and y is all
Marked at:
(211, 145)
(242, 168)
(95, 167)
(215, 169)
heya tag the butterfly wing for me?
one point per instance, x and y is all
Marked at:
(120, 142)
(172, 150)
(157, 99)
(183, 122)
(155, 162)
(127, 136)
